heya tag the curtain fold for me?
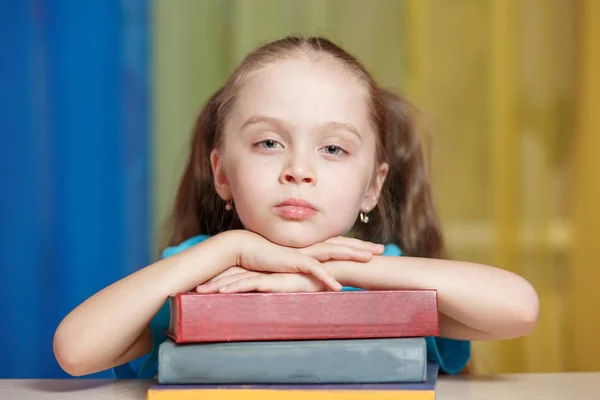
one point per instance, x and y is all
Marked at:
(75, 187)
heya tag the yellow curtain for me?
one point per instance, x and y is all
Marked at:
(583, 347)
(508, 87)
(511, 87)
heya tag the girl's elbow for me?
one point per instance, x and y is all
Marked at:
(71, 366)
(67, 361)
(528, 320)
(68, 358)
(526, 313)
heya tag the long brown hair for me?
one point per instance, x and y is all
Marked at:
(405, 213)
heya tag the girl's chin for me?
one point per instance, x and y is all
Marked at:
(295, 238)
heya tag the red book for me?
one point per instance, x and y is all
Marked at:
(198, 317)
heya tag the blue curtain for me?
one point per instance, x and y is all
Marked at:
(74, 165)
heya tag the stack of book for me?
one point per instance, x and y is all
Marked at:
(326, 345)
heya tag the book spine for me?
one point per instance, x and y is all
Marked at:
(304, 316)
(174, 318)
(321, 361)
(265, 394)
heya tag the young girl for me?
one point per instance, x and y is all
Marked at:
(303, 175)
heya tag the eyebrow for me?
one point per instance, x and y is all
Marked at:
(331, 125)
(257, 119)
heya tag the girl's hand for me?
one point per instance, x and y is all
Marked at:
(260, 255)
(343, 249)
(263, 282)
(227, 272)
(337, 248)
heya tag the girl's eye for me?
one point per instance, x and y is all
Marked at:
(268, 144)
(334, 150)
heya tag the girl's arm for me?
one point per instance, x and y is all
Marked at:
(111, 327)
(476, 302)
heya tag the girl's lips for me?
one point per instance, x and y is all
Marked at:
(295, 212)
(295, 209)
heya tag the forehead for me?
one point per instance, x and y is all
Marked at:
(304, 93)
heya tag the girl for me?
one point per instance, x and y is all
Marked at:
(296, 153)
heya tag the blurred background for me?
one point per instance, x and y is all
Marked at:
(99, 98)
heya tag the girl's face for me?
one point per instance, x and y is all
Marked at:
(299, 153)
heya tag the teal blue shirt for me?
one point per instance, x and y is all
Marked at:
(451, 355)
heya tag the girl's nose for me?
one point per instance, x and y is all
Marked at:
(298, 173)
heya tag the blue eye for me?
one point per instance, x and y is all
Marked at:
(268, 144)
(334, 150)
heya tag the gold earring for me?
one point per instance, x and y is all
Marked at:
(364, 218)
(229, 205)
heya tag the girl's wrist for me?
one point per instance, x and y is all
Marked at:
(234, 242)
(339, 270)
(203, 261)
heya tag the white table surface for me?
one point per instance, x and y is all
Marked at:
(550, 386)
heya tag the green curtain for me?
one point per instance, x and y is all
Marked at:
(197, 43)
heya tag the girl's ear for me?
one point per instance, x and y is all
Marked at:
(372, 196)
(220, 179)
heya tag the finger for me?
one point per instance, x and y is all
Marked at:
(257, 283)
(233, 270)
(332, 251)
(272, 283)
(308, 265)
(214, 286)
(375, 248)
(227, 272)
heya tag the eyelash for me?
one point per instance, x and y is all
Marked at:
(262, 142)
(344, 152)
(259, 144)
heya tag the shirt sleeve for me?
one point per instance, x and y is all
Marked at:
(451, 355)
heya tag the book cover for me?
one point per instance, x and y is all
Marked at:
(356, 391)
(197, 317)
(309, 361)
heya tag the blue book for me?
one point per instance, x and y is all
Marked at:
(382, 360)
